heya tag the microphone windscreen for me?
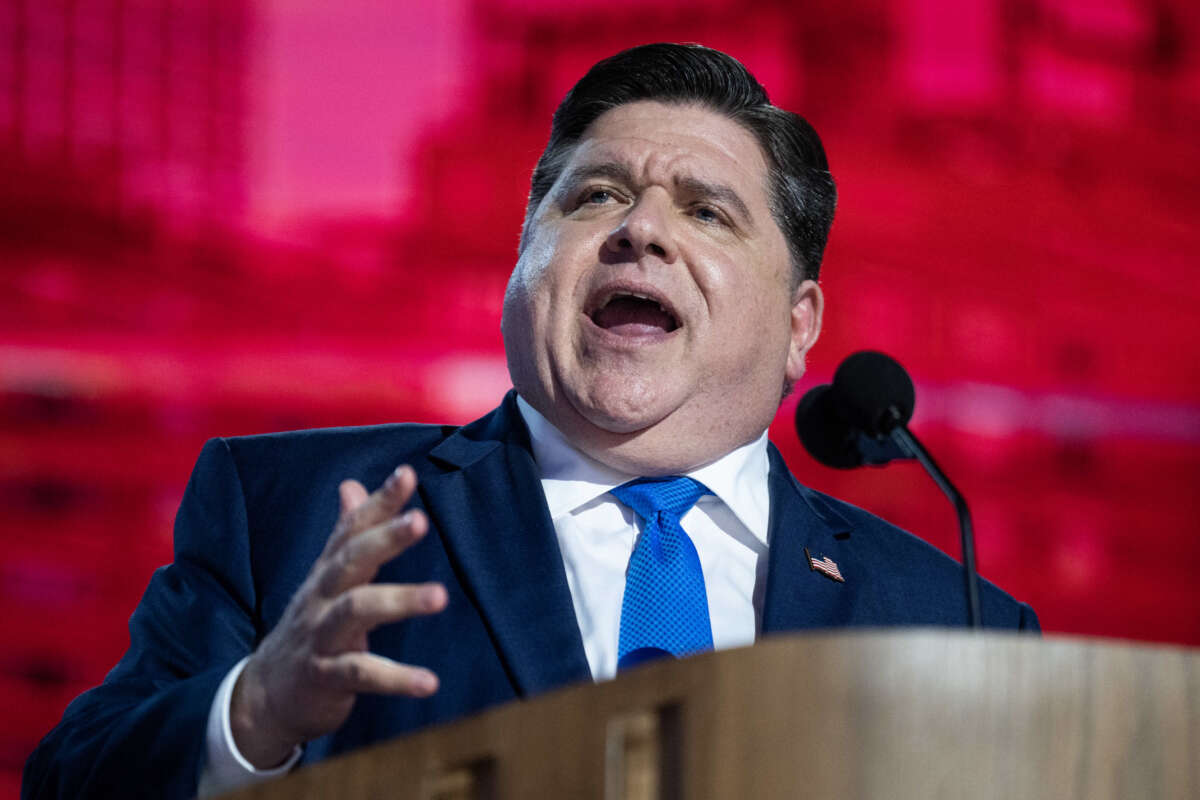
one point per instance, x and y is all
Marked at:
(871, 384)
(824, 432)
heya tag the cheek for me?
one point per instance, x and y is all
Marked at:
(554, 266)
(535, 293)
(751, 314)
(533, 261)
(742, 293)
(532, 272)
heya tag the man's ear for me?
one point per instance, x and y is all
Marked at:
(808, 305)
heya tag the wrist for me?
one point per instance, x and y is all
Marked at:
(258, 737)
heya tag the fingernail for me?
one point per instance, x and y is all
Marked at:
(392, 479)
(427, 682)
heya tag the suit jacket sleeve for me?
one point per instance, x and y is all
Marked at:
(1028, 620)
(141, 732)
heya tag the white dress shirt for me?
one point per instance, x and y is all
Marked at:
(225, 768)
(596, 534)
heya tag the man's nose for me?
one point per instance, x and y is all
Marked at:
(645, 230)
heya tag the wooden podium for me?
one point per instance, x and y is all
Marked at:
(919, 714)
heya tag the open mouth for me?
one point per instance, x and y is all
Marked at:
(631, 314)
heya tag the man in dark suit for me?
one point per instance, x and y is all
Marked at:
(663, 302)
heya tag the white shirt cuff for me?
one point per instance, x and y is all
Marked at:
(225, 769)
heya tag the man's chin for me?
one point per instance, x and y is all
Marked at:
(619, 414)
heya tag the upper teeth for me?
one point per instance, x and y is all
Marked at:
(637, 295)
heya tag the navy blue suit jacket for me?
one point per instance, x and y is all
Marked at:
(257, 512)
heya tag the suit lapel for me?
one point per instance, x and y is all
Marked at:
(489, 507)
(492, 515)
(797, 596)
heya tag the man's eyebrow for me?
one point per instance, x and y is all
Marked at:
(717, 192)
(602, 169)
(705, 190)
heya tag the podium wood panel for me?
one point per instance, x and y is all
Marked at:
(924, 714)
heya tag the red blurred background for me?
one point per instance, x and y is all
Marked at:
(224, 217)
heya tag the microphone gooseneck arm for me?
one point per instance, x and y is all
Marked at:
(913, 447)
(862, 418)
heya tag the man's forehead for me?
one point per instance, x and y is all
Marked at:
(669, 142)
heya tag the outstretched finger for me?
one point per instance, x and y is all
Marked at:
(364, 608)
(351, 494)
(368, 672)
(357, 559)
(359, 512)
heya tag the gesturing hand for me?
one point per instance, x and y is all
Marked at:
(302, 680)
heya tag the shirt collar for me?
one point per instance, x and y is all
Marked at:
(571, 479)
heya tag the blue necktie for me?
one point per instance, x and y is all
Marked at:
(665, 608)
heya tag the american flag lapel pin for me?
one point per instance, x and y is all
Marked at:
(824, 565)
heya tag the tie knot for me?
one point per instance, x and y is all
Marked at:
(672, 495)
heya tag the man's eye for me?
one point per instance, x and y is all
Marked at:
(706, 214)
(597, 197)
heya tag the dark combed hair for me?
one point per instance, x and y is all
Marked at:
(800, 187)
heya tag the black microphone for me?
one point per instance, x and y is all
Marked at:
(876, 392)
(862, 418)
(832, 439)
